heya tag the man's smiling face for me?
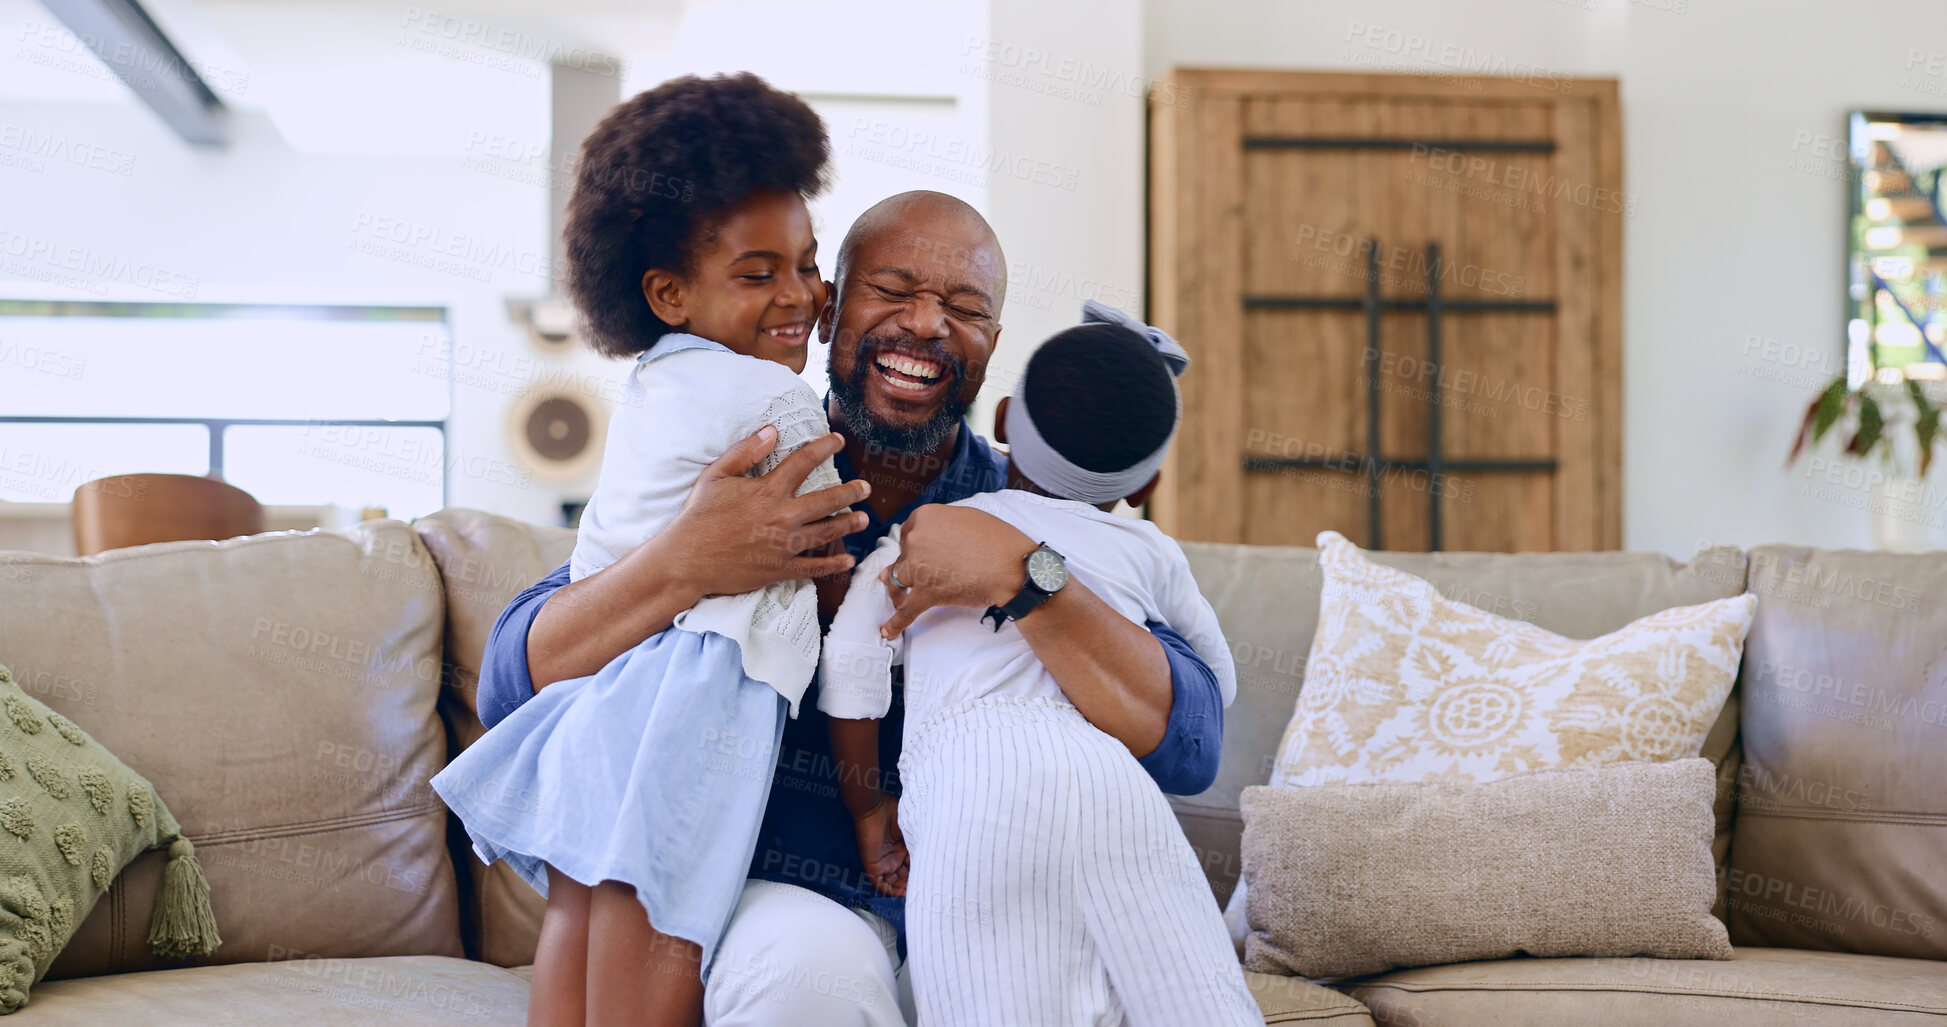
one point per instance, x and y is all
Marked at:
(913, 320)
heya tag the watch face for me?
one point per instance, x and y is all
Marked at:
(1046, 570)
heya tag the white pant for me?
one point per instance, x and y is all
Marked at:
(793, 958)
(1050, 883)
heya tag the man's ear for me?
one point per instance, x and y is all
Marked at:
(1140, 496)
(1000, 420)
(828, 314)
(668, 296)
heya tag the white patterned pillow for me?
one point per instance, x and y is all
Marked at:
(1404, 684)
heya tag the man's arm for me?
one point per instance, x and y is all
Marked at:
(1185, 763)
(505, 681)
(1114, 671)
(1148, 691)
(1128, 690)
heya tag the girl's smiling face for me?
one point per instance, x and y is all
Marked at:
(753, 284)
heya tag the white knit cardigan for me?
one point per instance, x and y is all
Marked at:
(687, 401)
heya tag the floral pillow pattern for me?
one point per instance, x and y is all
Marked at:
(1404, 684)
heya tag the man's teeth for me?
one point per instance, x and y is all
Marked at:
(910, 367)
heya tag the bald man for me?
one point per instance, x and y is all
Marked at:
(912, 319)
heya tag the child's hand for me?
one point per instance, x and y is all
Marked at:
(882, 847)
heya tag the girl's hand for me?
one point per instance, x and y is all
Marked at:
(738, 534)
(882, 847)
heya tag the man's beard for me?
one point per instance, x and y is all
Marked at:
(849, 391)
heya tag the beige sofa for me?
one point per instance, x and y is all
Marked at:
(292, 694)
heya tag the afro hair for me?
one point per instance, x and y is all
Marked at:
(1101, 396)
(656, 177)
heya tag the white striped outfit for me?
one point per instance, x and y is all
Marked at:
(1050, 883)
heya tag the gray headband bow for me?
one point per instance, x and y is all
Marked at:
(1173, 353)
(1054, 472)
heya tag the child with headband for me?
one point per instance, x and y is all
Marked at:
(1049, 881)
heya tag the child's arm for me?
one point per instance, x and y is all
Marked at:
(1186, 611)
(855, 669)
(799, 417)
(855, 748)
(855, 691)
(875, 815)
(775, 628)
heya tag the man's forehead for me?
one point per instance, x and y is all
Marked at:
(941, 250)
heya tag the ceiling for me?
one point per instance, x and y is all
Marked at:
(378, 77)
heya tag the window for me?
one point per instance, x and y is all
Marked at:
(1897, 267)
(297, 405)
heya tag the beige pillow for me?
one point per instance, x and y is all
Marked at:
(1347, 880)
(1404, 684)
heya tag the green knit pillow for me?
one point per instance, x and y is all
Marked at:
(71, 817)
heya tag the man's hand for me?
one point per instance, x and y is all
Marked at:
(735, 534)
(953, 556)
(1110, 667)
(740, 534)
(883, 847)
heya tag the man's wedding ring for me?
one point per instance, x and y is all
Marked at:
(893, 573)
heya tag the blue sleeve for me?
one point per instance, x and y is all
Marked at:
(1185, 763)
(504, 679)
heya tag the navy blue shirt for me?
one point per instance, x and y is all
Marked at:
(806, 838)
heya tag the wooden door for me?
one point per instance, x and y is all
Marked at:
(1402, 297)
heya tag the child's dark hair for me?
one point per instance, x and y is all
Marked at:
(657, 176)
(1101, 396)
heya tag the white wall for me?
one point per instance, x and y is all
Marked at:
(1739, 224)
(1065, 92)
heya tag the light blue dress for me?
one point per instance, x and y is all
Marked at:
(653, 772)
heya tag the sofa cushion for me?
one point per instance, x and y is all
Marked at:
(1404, 684)
(1757, 986)
(1266, 597)
(401, 990)
(1359, 878)
(1842, 819)
(279, 691)
(1296, 1000)
(485, 561)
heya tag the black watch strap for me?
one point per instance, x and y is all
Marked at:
(1024, 602)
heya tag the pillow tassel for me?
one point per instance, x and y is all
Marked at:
(183, 924)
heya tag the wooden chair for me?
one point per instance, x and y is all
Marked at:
(137, 509)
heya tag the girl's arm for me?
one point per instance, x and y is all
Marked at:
(855, 669)
(875, 815)
(854, 691)
(1190, 615)
(855, 748)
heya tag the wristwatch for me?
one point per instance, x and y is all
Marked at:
(1047, 573)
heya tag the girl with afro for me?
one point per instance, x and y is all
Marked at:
(632, 799)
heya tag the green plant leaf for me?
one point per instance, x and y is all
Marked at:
(1830, 405)
(1926, 427)
(1871, 425)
